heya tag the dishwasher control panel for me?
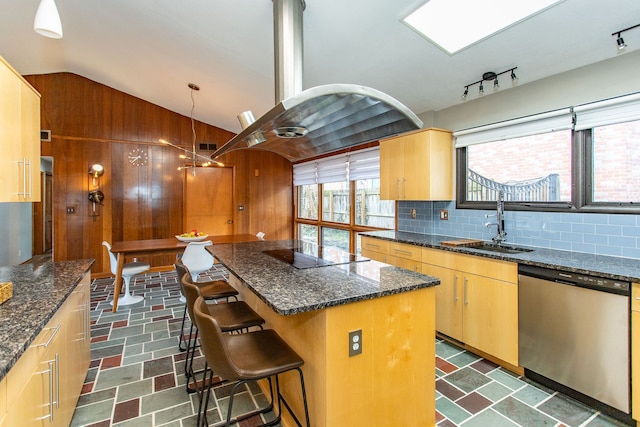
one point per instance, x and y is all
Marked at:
(577, 279)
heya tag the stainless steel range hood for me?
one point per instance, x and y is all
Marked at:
(321, 119)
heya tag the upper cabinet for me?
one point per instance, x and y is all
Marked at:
(19, 138)
(417, 166)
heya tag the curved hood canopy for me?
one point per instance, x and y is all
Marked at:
(321, 119)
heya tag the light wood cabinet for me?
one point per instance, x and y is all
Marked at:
(19, 138)
(477, 299)
(477, 302)
(417, 166)
(635, 351)
(43, 387)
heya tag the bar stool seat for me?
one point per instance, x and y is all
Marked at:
(231, 316)
(246, 357)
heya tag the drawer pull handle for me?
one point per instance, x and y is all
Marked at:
(370, 245)
(398, 251)
(53, 335)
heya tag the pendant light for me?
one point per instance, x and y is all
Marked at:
(47, 22)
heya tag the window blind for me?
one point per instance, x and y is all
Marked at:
(332, 169)
(305, 173)
(362, 164)
(608, 112)
(523, 126)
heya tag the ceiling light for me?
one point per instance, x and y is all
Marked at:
(47, 21)
(619, 40)
(487, 77)
(436, 19)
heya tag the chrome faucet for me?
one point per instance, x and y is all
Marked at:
(501, 234)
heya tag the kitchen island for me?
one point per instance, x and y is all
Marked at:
(316, 305)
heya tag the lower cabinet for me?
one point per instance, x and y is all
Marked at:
(43, 387)
(635, 351)
(477, 301)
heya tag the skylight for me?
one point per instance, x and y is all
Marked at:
(456, 24)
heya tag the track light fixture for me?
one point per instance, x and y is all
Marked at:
(487, 77)
(619, 40)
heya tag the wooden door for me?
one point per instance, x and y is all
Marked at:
(43, 217)
(209, 201)
(10, 149)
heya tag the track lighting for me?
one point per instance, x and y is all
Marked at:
(619, 40)
(487, 77)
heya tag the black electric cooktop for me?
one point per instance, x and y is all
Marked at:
(311, 256)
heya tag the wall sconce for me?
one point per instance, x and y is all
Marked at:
(96, 196)
(96, 170)
(487, 77)
(619, 40)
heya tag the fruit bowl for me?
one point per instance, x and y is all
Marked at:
(199, 238)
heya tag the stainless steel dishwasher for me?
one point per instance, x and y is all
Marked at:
(574, 336)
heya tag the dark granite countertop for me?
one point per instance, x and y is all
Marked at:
(289, 290)
(627, 269)
(38, 292)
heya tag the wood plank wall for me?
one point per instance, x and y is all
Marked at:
(91, 122)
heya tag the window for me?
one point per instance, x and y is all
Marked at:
(589, 163)
(615, 164)
(350, 201)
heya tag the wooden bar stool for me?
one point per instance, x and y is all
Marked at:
(234, 316)
(210, 290)
(246, 357)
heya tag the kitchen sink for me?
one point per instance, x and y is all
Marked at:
(492, 247)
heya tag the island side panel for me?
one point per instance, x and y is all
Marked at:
(391, 383)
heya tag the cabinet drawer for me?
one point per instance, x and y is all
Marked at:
(375, 245)
(635, 297)
(402, 250)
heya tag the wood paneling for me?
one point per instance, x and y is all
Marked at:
(91, 122)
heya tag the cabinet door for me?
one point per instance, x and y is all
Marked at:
(415, 185)
(391, 168)
(448, 300)
(30, 136)
(490, 316)
(9, 133)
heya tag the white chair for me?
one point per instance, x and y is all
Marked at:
(129, 270)
(197, 259)
(260, 235)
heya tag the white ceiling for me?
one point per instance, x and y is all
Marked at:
(153, 48)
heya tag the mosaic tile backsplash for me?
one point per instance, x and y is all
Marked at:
(603, 234)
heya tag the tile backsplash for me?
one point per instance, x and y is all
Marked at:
(604, 234)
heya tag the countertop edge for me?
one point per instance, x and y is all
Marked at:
(37, 329)
(334, 303)
(578, 262)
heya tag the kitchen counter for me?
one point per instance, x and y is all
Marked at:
(627, 269)
(316, 309)
(288, 290)
(38, 292)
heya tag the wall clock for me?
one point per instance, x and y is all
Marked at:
(138, 157)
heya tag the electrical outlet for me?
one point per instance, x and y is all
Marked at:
(355, 343)
(413, 214)
(71, 210)
(444, 214)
